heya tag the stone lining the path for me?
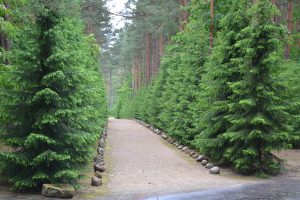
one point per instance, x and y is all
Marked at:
(99, 165)
(191, 152)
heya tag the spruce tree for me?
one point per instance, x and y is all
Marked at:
(258, 116)
(56, 111)
(246, 120)
(222, 68)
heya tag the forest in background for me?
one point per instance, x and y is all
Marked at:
(224, 80)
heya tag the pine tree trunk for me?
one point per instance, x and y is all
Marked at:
(161, 45)
(289, 27)
(155, 53)
(148, 57)
(184, 15)
(138, 78)
(160, 51)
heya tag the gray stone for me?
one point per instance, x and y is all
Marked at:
(195, 156)
(209, 165)
(99, 168)
(96, 181)
(95, 158)
(188, 152)
(98, 174)
(164, 137)
(101, 151)
(180, 147)
(171, 141)
(102, 144)
(184, 149)
(58, 191)
(99, 160)
(200, 158)
(204, 162)
(192, 153)
(215, 170)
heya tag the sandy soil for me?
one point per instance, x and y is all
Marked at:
(142, 164)
(291, 162)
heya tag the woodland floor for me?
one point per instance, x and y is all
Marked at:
(141, 165)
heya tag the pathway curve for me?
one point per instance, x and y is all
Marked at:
(141, 164)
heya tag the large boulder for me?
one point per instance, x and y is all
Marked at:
(58, 191)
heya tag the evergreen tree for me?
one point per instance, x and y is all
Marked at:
(57, 110)
(222, 68)
(259, 120)
(246, 118)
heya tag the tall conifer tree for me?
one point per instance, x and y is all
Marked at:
(245, 120)
(222, 68)
(55, 113)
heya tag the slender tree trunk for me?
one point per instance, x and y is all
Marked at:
(289, 27)
(184, 15)
(148, 57)
(160, 51)
(212, 23)
(155, 54)
(138, 78)
(161, 45)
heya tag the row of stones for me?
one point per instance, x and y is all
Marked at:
(99, 165)
(192, 153)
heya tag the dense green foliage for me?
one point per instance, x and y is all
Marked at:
(56, 110)
(290, 79)
(230, 103)
(246, 120)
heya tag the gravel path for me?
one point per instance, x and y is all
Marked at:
(141, 164)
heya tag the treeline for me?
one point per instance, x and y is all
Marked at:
(225, 86)
(52, 100)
